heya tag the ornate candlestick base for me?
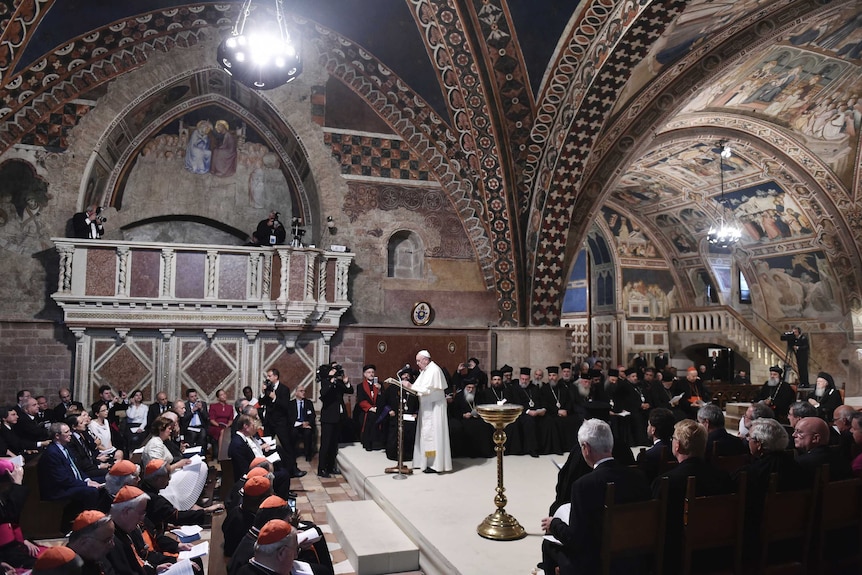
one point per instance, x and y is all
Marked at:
(500, 526)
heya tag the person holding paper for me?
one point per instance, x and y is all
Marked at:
(431, 450)
(245, 447)
(162, 512)
(129, 549)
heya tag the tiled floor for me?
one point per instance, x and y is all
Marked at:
(313, 494)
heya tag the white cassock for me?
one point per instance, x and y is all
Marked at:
(432, 430)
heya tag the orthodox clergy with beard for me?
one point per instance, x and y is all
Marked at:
(431, 451)
(496, 392)
(368, 399)
(471, 436)
(561, 424)
(528, 429)
(777, 394)
(826, 397)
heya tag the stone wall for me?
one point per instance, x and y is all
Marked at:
(36, 356)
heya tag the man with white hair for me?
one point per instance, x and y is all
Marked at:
(581, 537)
(431, 451)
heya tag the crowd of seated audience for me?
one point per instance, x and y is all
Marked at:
(110, 466)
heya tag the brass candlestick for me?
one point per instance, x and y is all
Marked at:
(500, 526)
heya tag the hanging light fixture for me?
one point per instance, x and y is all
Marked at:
(725, 234)
(259, 52)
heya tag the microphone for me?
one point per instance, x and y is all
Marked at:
(403, 369)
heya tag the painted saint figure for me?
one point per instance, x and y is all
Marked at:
(198, 152)
(223, 150)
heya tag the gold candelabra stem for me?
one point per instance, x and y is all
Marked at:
(500, 526)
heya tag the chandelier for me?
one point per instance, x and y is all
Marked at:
(725, 234)
(259, 52)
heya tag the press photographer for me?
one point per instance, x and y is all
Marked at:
(270, 231)
(88, 225)
(797, 342)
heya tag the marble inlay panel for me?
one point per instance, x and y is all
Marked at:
(101, 272)
(146, 267)
(233, 275)
(190, 279)
(124, 371)
(296, 292)
(275, 289)
(208, 371)
(330, 280)
(293, 370)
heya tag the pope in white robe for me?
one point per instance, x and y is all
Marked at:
(431, 452)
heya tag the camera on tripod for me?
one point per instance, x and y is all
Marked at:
(789, 337)
(297, 232)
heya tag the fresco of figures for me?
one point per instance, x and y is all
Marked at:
(810, 84)
(23, 196)
(647, 294)
(629, 239)
(803, 284)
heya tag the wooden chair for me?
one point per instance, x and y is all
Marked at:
(40, 519)
(788, 517)
(713, 522)
(634, 529)
(840, 515)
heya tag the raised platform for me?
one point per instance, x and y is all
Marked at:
(440, 513)
(373, 543)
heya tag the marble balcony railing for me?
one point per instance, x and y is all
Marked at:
(129, 285)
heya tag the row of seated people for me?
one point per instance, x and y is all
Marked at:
(720, 462)
(552, 412)
(115, 422)
(89, 499)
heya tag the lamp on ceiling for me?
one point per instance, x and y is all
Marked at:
(725, 234)
(259, 52)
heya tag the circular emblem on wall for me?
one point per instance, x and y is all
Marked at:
(381, 347)
(421, 314)
(452, 347)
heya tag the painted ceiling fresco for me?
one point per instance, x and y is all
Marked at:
(537, 117)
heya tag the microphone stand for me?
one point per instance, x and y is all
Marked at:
(402, 471)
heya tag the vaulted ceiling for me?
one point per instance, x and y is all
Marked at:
(533, 116)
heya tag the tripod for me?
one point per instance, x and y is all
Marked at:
(787, 365)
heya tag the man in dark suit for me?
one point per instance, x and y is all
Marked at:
(28, 428)
(196, 420)
(60, 479)
(159, 407)
(581, 537)
(66, 402)
(332, 391)
(659, 429)
(88, 224)
(688, 447)
(277, 422)
(811, 440)
(718, 440)
(661, 360)
(303, 416)
(801, 347)
(245, 447)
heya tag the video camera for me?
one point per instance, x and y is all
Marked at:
(297, 232)
(789, 337)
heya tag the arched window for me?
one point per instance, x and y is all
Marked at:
(406, 256)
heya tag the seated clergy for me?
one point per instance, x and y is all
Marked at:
(468, 432)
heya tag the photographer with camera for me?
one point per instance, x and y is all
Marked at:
(334, 385)
(798, 344)
(88, 225)
(270, 232)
